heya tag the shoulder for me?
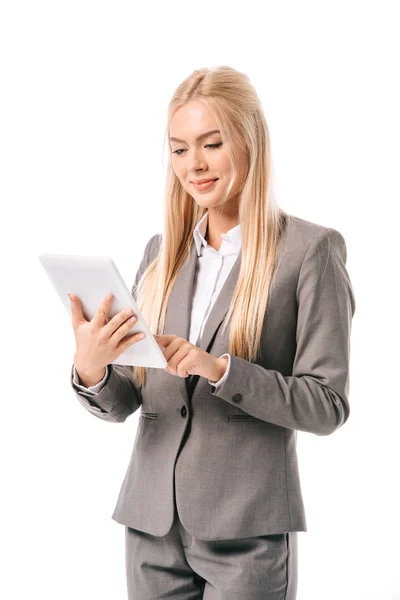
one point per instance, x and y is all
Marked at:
(153, 246)
(301, 237)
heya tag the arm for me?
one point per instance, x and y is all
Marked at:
(117, 395)
(315, 397)
(93, 389)
(225, 367)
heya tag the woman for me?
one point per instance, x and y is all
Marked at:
(211, 501)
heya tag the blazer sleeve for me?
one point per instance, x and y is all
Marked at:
(93, 389)
(120, 395)
(315, 397)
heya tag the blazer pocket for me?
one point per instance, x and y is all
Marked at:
(241, 418)
(149, 415)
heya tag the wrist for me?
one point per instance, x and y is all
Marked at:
(89, 378)
(221, 367)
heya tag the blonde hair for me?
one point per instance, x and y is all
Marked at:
(237, 109)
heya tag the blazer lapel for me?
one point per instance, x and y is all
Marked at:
(179, 308)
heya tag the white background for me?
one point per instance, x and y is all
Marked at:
(84, 93)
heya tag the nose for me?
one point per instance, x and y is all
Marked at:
(196, 162)
(194, 173)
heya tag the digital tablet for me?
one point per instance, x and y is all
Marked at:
(91, 278)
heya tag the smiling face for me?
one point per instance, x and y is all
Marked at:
(198, 154)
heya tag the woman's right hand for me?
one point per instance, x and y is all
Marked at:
(100, 341)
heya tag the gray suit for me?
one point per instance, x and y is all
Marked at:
(229, 455)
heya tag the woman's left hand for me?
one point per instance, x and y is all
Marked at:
(186, 359)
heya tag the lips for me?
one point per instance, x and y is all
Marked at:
(204, 180)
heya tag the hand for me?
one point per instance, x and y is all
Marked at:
(100, 341)
(186, 359)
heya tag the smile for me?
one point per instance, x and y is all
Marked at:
(204, 186)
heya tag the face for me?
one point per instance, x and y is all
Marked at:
(197, 156)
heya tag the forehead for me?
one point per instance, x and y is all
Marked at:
(191, 120)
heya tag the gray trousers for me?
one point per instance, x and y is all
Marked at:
(180, 567)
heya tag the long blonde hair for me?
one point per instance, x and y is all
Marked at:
(238, 112)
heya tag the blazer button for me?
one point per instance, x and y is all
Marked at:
(183, 411)
(237, 397)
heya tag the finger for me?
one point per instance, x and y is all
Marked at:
(165, 339)
(174, 356)
(76, 310)
(170, 342)
(101, 315)
(119, 325)
(129, 340)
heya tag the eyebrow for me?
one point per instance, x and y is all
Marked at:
(200, 137)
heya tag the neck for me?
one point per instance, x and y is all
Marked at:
(218, 223)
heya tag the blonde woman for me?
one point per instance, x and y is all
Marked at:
(253, 307)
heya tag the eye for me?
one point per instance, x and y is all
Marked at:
(213, 146)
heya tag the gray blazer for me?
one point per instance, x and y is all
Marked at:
(229, 456)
